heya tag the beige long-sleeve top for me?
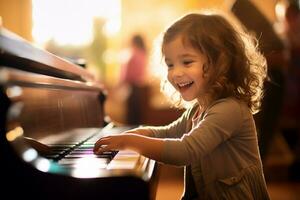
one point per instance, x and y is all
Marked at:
(219, 150)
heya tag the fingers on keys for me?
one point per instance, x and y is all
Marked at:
(101, 145)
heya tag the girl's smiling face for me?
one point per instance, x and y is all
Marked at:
(185, 69)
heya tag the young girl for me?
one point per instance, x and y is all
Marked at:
(219, 71)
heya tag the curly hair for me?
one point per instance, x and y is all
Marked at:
(235, 67)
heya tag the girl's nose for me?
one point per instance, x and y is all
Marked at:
(177, 71)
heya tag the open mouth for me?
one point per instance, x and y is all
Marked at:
(184, 86)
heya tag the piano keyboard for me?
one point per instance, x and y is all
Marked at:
(72, 154)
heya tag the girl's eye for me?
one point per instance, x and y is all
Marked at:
(169, 65)
(188, 62)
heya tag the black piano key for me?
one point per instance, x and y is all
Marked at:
(63, 146)
(52, 157)
(83, 151)
(87, 156)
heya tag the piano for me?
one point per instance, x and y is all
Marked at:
(51, 115)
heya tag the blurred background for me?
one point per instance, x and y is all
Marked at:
(115, 41)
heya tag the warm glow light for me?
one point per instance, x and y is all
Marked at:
(280, 10)
(71, 21)
(112, 27)
(13, 134)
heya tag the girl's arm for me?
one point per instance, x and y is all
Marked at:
(146, 146)
(174, 130)
(144, 131)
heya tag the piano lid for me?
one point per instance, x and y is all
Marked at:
(16, 51)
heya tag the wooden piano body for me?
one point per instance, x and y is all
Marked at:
(58, 103)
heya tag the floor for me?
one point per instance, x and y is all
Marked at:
(170, 186)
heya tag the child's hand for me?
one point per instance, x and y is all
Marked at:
(146, 146)
(113, 142)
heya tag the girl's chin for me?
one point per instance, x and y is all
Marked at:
(187, 98)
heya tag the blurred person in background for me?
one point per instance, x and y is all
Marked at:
(133, 72)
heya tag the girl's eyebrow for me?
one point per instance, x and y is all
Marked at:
(187, 55)
(183, 56)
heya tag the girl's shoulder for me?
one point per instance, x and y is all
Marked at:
(228, 101)
(230, 105)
